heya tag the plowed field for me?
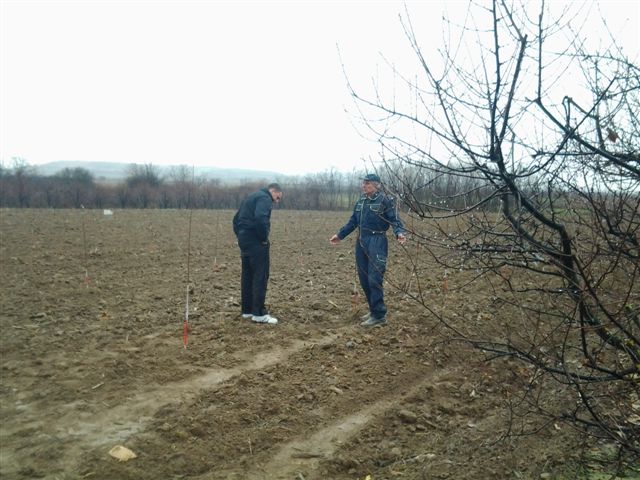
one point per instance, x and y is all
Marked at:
(92, 313)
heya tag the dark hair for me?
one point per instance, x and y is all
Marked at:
(274, 186)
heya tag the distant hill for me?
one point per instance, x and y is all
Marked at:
(116, 172)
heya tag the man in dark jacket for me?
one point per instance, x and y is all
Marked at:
(373, 214)
(251, 224)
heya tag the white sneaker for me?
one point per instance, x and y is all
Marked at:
(247, 315)
(265, 319)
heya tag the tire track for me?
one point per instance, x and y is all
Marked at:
(73, 428)
(129, 418)
(301, 458)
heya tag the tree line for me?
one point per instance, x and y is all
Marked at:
(145, 187)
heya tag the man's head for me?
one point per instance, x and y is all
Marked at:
(370, 184)
(275, 191)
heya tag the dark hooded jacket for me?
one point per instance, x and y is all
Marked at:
(252, 221)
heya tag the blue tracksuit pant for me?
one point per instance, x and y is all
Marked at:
(371, 261)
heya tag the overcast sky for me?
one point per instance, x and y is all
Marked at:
(239, 84)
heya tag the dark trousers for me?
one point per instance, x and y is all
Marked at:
(255, 276)
(371, 261)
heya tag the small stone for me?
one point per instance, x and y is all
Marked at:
(408, 416)
(122, 453)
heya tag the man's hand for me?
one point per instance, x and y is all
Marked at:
(334, 240)
(402, 239)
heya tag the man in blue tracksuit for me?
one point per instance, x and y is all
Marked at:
(251, 224)
(373, 214)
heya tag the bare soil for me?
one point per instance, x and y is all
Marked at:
(92, 312)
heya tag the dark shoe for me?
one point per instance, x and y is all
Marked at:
(364, 318)
(375, 322)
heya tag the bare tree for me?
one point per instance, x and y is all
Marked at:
(518, 149)
(22, 174)
(143, 182)
(76, 185)
(181, 178)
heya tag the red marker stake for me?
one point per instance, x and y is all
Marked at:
(185, 335)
